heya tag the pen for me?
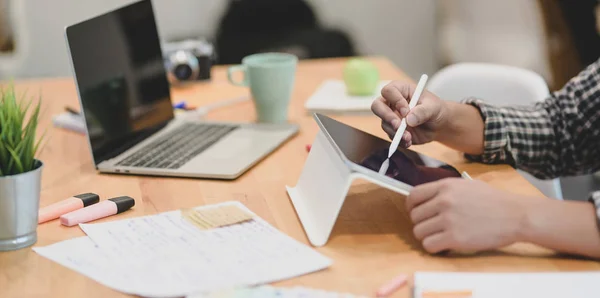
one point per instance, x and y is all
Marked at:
(180, 105)
(223, 103)
(392, 286)
(466, 175)
(413, 102)
(72, 111)
(100, 210)
(73, 203)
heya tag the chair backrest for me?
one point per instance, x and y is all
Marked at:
(497, 84)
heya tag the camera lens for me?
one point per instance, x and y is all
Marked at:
(182, 66)
(183, 72)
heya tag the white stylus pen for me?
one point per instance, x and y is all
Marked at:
(413, 102)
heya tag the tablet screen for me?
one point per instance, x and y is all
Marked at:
(369, 151)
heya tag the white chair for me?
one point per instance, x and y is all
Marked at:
(499, 85)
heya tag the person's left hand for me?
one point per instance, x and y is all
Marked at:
(465, 216)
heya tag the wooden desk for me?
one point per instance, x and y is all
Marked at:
(371, 242)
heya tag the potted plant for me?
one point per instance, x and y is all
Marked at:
(20, 171)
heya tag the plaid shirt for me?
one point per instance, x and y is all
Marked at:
(557, 137)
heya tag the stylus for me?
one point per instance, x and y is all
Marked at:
(413, 102)
(466, 176)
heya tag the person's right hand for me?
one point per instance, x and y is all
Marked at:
(423, 121)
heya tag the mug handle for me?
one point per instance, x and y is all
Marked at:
(233, 69)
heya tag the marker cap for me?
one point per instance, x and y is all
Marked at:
(88, 198)
(123, 203)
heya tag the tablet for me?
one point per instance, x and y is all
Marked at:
(365, 153)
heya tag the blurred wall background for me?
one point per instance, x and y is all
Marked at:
(418, 36)
(403, 30)
(507, 32)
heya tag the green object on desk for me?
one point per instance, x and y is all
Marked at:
(270, 77)
(361, 77)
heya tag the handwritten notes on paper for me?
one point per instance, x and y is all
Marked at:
(165, 255)
(83, 255)
(211, 218)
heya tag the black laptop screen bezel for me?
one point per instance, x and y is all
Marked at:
(120, 144)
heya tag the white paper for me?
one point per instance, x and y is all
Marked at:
(165, 256)
(514, 285)
(82, 255)
(273, 292)
(332, 96)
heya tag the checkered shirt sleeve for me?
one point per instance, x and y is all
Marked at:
(557, 137)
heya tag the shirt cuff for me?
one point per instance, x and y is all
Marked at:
(595, 199)
(496, 140)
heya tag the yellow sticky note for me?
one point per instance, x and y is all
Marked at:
(212, 218)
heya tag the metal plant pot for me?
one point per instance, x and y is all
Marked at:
(19, 205)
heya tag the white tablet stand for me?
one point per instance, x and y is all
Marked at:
(322, 188)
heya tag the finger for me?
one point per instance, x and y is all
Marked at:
(422, 193)
(428, 228)
(421, 138)
(388, 129)
(437, 242)
(405, 144)
(406, 140)
(421, 114)
(407, 137)
(424, 211)
(397, 94)
(381, 108)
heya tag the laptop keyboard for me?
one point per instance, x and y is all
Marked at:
(173, 150)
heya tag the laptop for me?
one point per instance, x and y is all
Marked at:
(124, 93)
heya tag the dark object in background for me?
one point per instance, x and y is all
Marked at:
(580, 17)
(253, 26)
(572, 37)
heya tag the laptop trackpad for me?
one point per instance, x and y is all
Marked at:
(238, 150)
(232, 145)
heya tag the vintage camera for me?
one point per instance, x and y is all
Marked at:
(188, 60)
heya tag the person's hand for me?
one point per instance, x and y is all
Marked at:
(423, 122)
(465, 216)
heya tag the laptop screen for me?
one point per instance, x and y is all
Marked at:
(118, 68)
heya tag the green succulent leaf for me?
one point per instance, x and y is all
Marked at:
(19, 118)
(17, 160)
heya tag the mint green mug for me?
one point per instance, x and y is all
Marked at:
(271, 79)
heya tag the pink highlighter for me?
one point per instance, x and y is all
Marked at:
(73, 203)
(103, 209)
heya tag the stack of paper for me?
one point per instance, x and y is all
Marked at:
(502, 285)
(69, 121)
(332, 96)
(165, 255)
